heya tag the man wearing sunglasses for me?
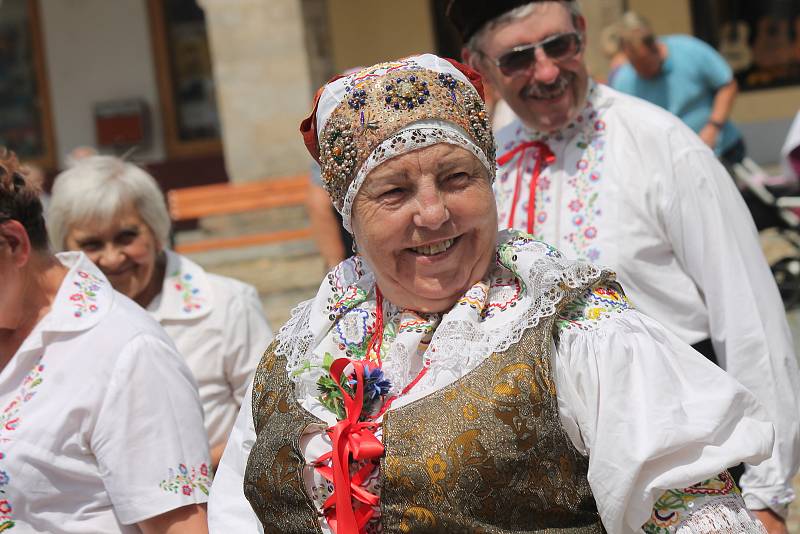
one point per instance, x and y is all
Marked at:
(612, 179)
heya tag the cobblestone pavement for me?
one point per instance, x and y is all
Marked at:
(286, 275)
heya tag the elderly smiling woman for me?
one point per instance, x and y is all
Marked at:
(115, 213)
(101, 428)
(450, 379)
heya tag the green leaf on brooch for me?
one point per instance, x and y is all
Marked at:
(327, 361)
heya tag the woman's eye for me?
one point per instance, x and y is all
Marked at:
(457, 178)
(392, 194)
(127, 237)
(90, 246)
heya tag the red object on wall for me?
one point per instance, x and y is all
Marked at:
(121, 123)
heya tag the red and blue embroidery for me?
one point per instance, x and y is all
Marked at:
(9, 422)
(186, 480)
(84, 300)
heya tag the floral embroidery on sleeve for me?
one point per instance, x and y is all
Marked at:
(597, 304)
(676, 505)
(85, 298)
(186, 480)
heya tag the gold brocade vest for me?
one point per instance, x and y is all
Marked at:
(485, 454)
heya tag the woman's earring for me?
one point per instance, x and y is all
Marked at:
(354, 247)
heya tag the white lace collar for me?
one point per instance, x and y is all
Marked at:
(527, 281)
(186, 292)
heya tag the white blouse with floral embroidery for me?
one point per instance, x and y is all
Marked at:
(633, 188)
(219, 327)
(101, 426)
(617, 372)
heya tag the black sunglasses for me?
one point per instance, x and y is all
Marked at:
(559, 47)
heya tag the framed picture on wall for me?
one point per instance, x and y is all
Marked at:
(760, 40)
(26, 125)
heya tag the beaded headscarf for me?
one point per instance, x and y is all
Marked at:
(368, 117)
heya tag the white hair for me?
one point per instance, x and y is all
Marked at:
(633, 28)
(97, 189)
(518, 13)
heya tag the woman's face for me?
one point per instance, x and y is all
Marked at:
(124, 248)
(426, 222)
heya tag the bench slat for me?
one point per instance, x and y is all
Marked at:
(228, 205)
(243, 241)
(234, 198)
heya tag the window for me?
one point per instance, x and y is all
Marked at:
(185, 78)
(25, 120)
(760, 40)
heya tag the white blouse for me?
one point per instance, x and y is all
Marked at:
(632, 188)
(101, 426)
(650, 412)
(219, 327)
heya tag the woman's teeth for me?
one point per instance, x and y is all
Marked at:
(436, 248)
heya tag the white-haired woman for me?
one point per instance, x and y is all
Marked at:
(115, 213)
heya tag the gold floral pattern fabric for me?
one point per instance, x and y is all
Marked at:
(488, 454)
(273, 482)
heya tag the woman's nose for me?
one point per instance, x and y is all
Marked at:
(109, 258)
(432, 212)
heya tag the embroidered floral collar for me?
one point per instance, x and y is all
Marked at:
(186, 292)
(82, 300)
(528, 279)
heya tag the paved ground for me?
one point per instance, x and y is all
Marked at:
(288, 274)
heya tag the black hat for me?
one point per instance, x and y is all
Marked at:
(469, 16)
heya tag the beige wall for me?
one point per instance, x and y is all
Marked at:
(364, 32)
(98, 51)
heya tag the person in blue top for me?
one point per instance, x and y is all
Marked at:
(685, 76)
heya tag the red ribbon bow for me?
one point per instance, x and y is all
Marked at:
(354, 439)
(544, 156)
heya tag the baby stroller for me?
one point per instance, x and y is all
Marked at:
(775, 205)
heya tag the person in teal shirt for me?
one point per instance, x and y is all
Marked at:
(685, 76)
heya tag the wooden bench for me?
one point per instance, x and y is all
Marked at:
(231, 198)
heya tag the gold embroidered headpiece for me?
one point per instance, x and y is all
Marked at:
(370, 116)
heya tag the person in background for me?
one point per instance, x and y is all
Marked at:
(78, 153)
(612, 50)
(115, 213)
(101, 428)
(333, 241)
(612, 179)
(685, 76)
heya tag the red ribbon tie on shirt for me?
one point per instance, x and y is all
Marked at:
(544, 156)
(349, 508)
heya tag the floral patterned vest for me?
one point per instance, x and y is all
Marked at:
(485, 454)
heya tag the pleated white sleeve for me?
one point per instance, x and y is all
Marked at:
(650, 412)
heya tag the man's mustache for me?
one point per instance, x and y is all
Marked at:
(549, 90)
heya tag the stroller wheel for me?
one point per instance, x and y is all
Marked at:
(787, 276)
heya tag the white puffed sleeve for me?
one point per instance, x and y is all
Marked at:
(651, 413)
(228, 508)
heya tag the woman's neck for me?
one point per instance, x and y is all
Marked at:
(156, 283)
(41, 280)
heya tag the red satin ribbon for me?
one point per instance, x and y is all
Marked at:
(354, 439)
(544, 156)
